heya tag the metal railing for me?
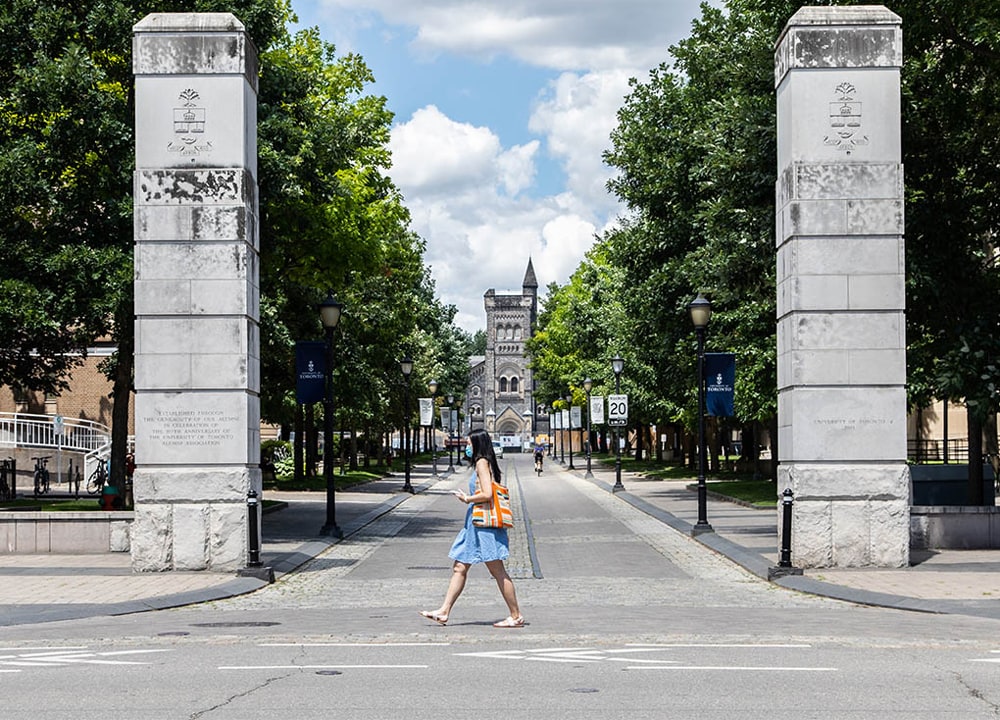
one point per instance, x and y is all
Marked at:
(24, 430)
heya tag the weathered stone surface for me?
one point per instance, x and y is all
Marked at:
(823, 181)
(833, 255)
(195, 187)
(190, 536)
(191, 223)
(195, 484)
(189, 429)
(837, 330)
(228, 539)
(842, 424)
(193, 43)
(120, 536)
(151, 536)
(859, 36)
(196, 291)
(856, 481)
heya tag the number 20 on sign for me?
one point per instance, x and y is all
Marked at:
(617, 410)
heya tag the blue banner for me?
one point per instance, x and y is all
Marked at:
(720, 380)
(310, 371)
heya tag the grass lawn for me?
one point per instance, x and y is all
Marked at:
(86, 503)
(736, 485)
(759, 493)
(340, 482)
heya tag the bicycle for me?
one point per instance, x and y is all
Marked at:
(538, 464)
(98, 479)
(41, 474)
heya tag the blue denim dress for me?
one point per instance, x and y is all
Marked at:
(477, 544)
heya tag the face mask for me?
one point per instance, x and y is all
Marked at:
(468, 451)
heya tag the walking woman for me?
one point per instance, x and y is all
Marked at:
(479, 544)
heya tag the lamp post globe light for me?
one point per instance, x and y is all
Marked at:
(701, 313)
(588, 385)
(450, 436)
(433, 387)
(569, 403)
(406, 366)
(329, 314)
(617, 367)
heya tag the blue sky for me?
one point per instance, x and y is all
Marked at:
(502, 111)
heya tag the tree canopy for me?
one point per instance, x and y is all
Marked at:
(694, 151)
(330, 218)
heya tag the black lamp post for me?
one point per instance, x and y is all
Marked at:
(433, 386)
(329, 313)
(569, 402)
(618, 366)
(406, 365)
(451, 432)
(701, 313)
(588, 384)
(562, 437)
(552, 435)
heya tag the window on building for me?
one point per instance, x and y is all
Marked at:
(513, 384)
(503, 385)
(517, 332)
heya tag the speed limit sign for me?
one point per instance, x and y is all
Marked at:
(617, 410)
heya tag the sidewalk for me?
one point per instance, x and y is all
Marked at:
(43, 588)
(49, 587)
(965, 582)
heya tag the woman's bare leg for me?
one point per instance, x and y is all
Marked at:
(506, 585)
(459, 572)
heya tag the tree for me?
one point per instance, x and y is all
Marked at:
(695, 148)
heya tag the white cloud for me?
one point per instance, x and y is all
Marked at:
(558, 34)
(479, 233)
(474, 200)
(577, 115)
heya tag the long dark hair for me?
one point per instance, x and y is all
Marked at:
(482, 447)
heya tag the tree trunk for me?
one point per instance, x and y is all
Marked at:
(639, 441)
(312, 441)
(992, 450)
(122, 394)
(300, 441)
(772, 430)
(354, 448)
(975, 458)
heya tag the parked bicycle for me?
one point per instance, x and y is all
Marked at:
(98, 479)
(41, 474)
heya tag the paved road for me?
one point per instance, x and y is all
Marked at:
(626, 618)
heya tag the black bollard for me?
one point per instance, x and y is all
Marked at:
(255, 568)
(784, 567)
(252, 504)
(786, 529)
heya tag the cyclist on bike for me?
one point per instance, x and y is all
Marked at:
(539, 456)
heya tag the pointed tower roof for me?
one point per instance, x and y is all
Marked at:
(529, 277)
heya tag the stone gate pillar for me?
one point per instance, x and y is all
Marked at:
(197, 363)
(840, 272)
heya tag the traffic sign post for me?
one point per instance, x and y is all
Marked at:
(617, 410)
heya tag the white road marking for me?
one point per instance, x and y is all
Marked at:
(399, 644)
(741, 668)
(716, 645)
(321, 667)
(71, 656)
(592, 655)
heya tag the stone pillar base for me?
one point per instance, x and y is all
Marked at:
(849, 515)
(191, 519)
